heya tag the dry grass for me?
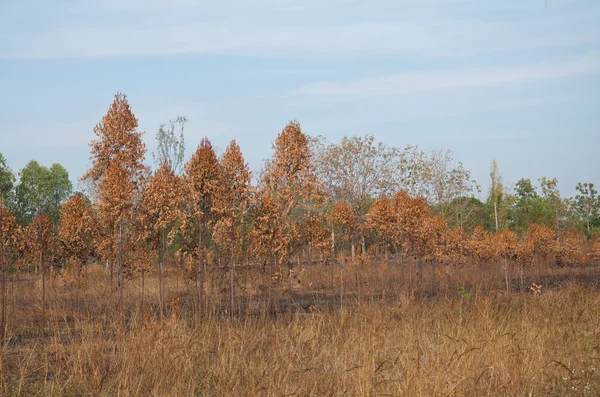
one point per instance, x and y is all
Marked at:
(498, 343)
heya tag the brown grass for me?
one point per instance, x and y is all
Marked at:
(411, 343)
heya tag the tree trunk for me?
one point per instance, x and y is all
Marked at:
(77, 281)
(3, 270)
(271, 264)
(232, 270)
(364, 246)
(200, 274)
(506, 274)
(342, 288)
(142, 298)
(496, 215)
(332, 245)
(161, 258)
(43, 285)
(121, 275)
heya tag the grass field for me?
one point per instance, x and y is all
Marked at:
(430, 334)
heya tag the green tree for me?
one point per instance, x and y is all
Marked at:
(7, 182)
(587, 203)
(558, 207)
(41, 190)
(530, 207)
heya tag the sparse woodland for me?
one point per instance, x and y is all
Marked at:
(340, 268)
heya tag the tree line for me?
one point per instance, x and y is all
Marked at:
(312, 202)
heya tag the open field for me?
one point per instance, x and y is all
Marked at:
(384, 338)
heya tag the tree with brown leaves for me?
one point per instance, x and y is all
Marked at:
(161, 201)
(381, 219)
(232, 206)
(76, 233)
(10, 241)
(41, 248)
(290, 180)
(343, 220)
(542, 241)
(118, 173)
(201, 187)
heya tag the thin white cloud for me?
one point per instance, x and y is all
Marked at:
(430, 81)
(277, 28)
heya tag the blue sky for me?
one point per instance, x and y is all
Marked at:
(513, 80)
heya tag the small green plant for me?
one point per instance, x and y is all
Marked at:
(462, 291)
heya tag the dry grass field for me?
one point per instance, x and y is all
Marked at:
(424, 334)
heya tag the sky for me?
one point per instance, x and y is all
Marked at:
(514, 80)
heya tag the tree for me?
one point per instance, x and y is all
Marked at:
(118, 175)
(7, 183)
(530, 207)
(266, 234)
(76, 233)
(170, 148)
(496, 191)
(10, 247)
(587, 203)
(381, 218)
(449, 183)
(201, 187)
(41, 190)
(290, 179)
(551, 196)
(343, 220)
(161, 202)
(355, 171)
(524, 190)
(42, 248)
(542, 241)
(232, 205)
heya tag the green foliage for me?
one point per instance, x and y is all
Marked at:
(587, 203)
(524, 190)
(41, 190)
(7, 182)
(466, 212)
(463, 292)
(530, 207)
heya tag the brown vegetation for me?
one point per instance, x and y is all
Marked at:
(476, 340)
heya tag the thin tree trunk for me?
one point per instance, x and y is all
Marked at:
(142, 295)
(161, 257)
(43, 285)
(121, 313)
(364, 246)
(382, 284)
(342, 287)
(496, 215)
(271, 264)
(232, 270)
(200, 274)
(506, 274)
(332, 245)
(3, 270)
(77, 281)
